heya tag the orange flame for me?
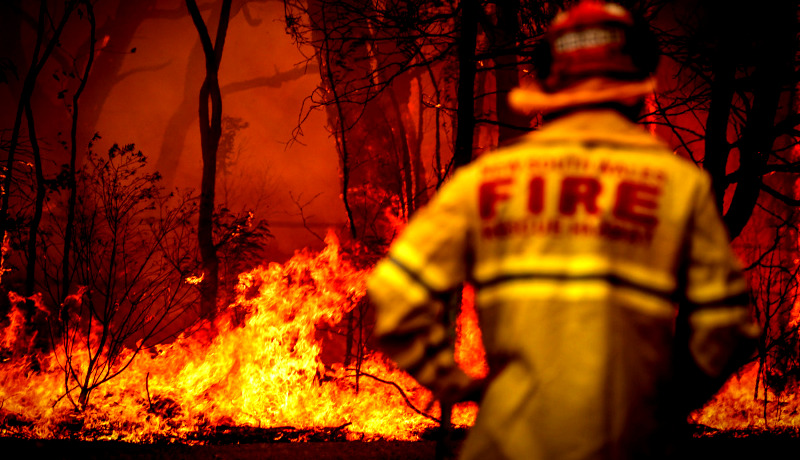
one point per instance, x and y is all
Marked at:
(5, 248)
(264, 370)
(193, 279)
(738, 406)
(15, 328)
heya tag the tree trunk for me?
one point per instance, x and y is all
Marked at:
(408, 182)
(465, 95)
(772, 75)
(24, 99)
(33, 230)
(210, 132)
(511, 124)
(336, 113)
(717, 147)
(37, 63)
(66, 275)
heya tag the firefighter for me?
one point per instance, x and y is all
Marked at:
(609, 299)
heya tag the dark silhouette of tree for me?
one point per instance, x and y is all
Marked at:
(113, 37)
(506, 41)
(372, 57)
(465, 115)
(73, 162)
(116, 30)
(49, 28)
(46, 41)
(179, 123)
(33, 228)
(733, 109)
(736, 70)
(210, 132)
(132, 282)
(35, 172)
(182, 118)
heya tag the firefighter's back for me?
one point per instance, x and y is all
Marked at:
(578, 243)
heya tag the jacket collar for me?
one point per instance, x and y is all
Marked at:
(595, 125)
(531, 96)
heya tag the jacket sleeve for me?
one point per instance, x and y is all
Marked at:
(714, 333)
(412, 285)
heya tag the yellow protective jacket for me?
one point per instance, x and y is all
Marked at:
(580, 240)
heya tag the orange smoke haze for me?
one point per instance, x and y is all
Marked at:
(270, 169)
(153, 102)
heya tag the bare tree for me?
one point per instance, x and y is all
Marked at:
(733, 110)
(131, 268)
(210, 132)
(46, 41)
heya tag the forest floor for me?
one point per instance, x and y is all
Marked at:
(727, 446)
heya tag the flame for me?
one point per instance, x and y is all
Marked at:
(469, 347)
(261, 364)
(741, 405)
(15, 328)
(262, 368)
(5, 248)
(794, 316)
(193, 279)
(745, 403)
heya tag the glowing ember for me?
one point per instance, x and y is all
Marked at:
(195, 279)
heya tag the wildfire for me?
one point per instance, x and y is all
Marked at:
(741, 405)
(263, 368)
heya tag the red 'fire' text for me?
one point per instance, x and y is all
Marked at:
(632, 217)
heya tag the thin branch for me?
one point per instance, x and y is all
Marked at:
(403, 394)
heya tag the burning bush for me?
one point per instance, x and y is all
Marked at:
(262, 367)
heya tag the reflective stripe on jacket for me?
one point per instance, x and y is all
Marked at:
(580, 240)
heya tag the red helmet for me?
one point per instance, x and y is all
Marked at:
(593, 52)
(589, 40)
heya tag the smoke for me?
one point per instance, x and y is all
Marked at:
(153, 77)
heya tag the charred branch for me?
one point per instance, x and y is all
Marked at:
(403, 394)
